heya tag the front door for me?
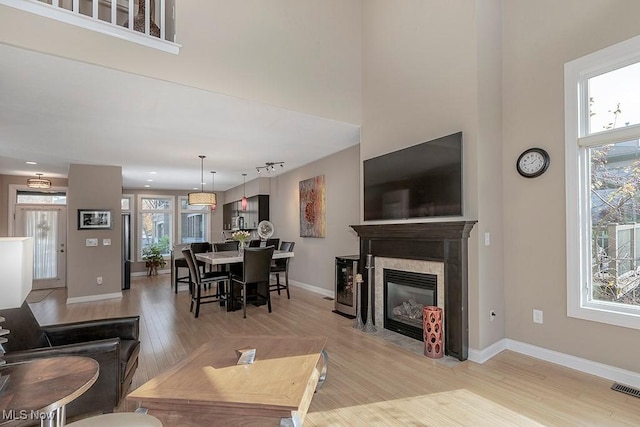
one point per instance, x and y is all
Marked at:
(48, 226)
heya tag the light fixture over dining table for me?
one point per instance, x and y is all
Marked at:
(202, 198)
(244, 202)
(215, 201)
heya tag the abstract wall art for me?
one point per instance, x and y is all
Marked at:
(312, 207)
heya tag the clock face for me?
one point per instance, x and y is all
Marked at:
(533, 162)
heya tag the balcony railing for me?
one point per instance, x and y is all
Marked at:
(147, 22)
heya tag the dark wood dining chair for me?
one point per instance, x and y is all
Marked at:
(178, 262)
(281, 265)
(200, 279)
(256, 270)
(275, 242)
(255, 243)
(231, 245)
(200, 248)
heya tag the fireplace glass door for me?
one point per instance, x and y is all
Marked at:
(405, 295)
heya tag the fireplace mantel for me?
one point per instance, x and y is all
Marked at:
(444, 242)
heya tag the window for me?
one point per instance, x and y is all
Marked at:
(602, 163)
(41, 197)
(194, 222)
(126, 203)
(155, 223)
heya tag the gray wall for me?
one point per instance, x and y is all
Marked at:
(314, 260)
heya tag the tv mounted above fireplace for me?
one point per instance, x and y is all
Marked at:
(421, 181)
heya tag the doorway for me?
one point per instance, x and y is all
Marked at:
(47, 224)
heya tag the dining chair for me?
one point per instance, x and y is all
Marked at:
(231, 245)
(275, 242)
(236, 268)
(281, 265)
(200, 248)
(256, 270)
(200, 279)
(255, 243)
(178, 262)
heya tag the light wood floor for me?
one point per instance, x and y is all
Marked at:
(370, 382)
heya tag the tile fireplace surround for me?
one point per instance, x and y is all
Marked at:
(437, 242)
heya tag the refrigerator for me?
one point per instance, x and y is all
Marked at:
(126, 251)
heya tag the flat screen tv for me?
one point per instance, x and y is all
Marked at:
(421, 181)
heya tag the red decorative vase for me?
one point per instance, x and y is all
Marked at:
(432, 326)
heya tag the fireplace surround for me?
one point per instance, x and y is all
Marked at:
(445, 242)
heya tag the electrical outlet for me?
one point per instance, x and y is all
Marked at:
(492, 315)
(487, 239)
(537, 316)
(99, 280)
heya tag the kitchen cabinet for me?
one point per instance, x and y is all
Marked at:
(257, 210)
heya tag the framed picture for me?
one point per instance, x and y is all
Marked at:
(312, 207)
(91, 219)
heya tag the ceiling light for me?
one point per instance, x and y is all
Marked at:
(269, 166)
(38, 182)
(244, 192)
(201, 198)
(31, 163)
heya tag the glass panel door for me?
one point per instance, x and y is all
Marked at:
(48, 226)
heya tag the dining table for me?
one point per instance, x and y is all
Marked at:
(225, 258)
(232, 257)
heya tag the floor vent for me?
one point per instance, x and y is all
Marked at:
(328, 298)
(626, 389)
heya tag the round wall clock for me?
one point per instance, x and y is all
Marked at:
(533, 162)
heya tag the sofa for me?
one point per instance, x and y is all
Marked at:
(114, 343)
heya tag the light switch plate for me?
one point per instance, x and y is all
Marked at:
(106, 242)
(91, 242)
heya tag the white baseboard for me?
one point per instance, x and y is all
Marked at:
(612, 373)
(317, 290)
(90, 298)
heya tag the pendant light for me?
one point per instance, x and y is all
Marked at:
(244, 192)
(213, 206)
(38, 182)
(201, 198)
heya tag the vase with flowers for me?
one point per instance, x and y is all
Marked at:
(242, 237)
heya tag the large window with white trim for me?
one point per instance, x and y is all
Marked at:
(602, 148)
(193, 223)
(155, 223)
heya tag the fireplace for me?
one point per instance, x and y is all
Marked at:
(405, 295)
(442, 243)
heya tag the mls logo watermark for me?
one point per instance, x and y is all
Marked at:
(23, 414)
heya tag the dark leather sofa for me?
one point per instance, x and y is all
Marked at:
(114, 343)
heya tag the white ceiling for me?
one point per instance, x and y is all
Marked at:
(55, 112)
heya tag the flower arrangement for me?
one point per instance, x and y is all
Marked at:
(241, 236)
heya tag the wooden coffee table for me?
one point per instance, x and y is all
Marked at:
(209, 388)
